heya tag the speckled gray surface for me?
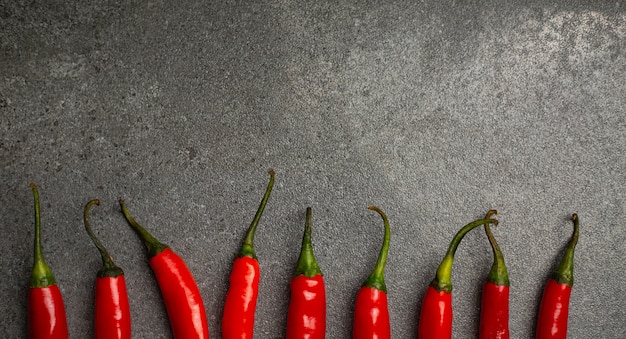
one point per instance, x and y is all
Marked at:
(435, 111)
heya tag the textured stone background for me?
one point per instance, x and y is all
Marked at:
(435, 111)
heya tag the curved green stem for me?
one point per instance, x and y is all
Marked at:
(153, 246)
(247, 248)
(109, 268)
(443, 281)
(307, 265)
(498, 274)
(377, 278)
(41, 275)
(564, 273)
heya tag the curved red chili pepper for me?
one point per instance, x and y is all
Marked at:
(494, 312)
(371, 312)
(306, 318)
(240, 304)
(436, 313)
(46, 311)
(112, 310)
(554, 307)
(180, 292)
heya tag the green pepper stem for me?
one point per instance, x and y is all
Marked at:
(153, 246)
(377, 278)
(247, 248)
(498, 274)
(109, 268)
(307, 265)
(443, 279)
(41, 275)
(564, 273)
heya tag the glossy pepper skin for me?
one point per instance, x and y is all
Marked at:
(112, 309)
(306, 318)
(494, 312)
(241, 298)
(46, 310)
(554, 307)
(371, 311)
(436, 314)
(182, 298)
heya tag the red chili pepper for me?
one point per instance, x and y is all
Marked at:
(46, 311)
(371, 312)
(494, 312)
(180, 292)
(306, 317)
(112, 310)
(240, 304)
(554, 307)
(436, 313)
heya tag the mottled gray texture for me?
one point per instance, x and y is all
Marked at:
(435, 111)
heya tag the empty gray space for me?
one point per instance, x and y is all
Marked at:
(434, 111)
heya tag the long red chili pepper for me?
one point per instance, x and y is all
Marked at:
(554, 307)
(46, 311)
(112, 310)
(306, 317)
(436, 313)
(240, 304)
(494, 312)
(371, 312)
(180, 292)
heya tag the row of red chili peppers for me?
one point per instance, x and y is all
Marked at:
(307, 308)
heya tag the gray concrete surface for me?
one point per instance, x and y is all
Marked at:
(435, 111)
